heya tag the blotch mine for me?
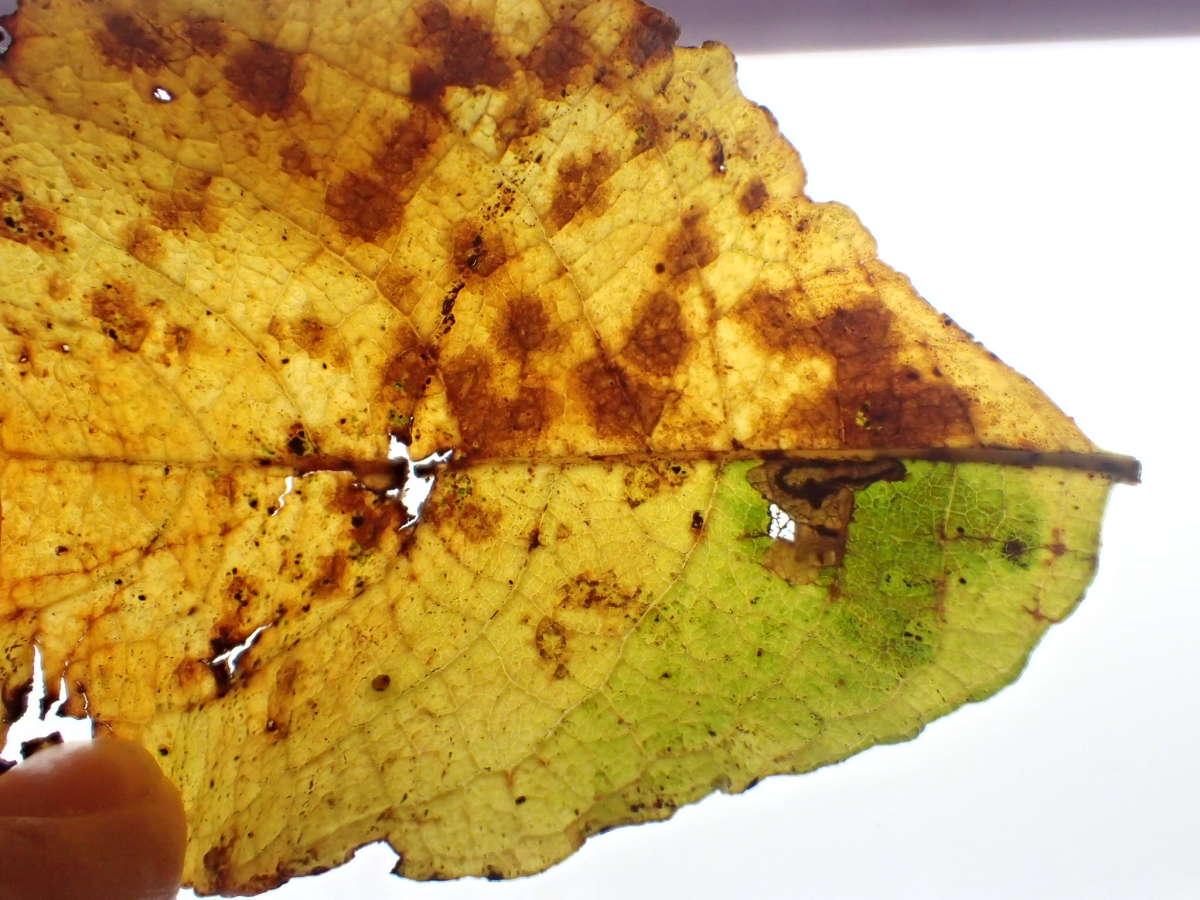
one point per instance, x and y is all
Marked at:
(460, 51)
(658, 341)
(121, 317)
(125, 43)
(754, 197)
(579, 184)
(266, 80)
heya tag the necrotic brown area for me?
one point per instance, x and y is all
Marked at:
(206, 35)
(557, 55)
(461, 51)
(24, 222)
(658, 341)
(692, 245)
(121, 318)
(550, 640)
(143, 244)
(125, 43)
(475, 255)
(296, 160)
(753, 197)
(370, 516)
(618, 405)
(266, 80)
(651, 36)
(329, 578)
(579, 182)
(773, 322)
(368, 204)
(526, 326)
(186, 205)
(883, 402)
(598, 593)
(492, 423)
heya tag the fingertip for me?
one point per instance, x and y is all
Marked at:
(90, 820)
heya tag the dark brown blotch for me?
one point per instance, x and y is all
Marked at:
(475, 254)
(651, 36)
(619, 406)
(266, 80)
(754, 197)
(206, 35)
(121, 317)
(330, 576)
(24, 222)
(772, 320)
(550, 639)
(489, 422)
(579, 184)
(125, 43)
(659, 340)
(296, 160)
(370, 515)
(186, 205)
(526, 326)
(460, 52)
(691, 246)
(554, 59)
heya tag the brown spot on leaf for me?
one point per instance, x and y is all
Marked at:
(561, 51)
(370, 515)
(490, 422)
(1014, 551)
(330, 577)
(884, 403)
(579, 184)
(143, 244)
(658, 341)
(550, 639)
(366, 205)
(526, 326)
(692, 246)
(651, 36)
(473, 254)
(125, 43)
(186, 205)
(648, 479)
(754, 196)
(266, 80)
(206, 35)
(618, 405)
(820, 499)
(460, 52)
(296, 160)
(773, 321)
(590, 592)
(115, 305)
(381, 682)
(24, 222)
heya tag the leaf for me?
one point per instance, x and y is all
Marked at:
(727, 499)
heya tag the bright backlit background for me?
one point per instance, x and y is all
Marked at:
(1045, 196)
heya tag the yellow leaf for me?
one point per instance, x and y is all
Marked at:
(726, 497)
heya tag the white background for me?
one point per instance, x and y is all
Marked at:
(1045, 196)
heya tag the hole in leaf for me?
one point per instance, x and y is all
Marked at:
(783, 526)
(43, 716)
(162, 95)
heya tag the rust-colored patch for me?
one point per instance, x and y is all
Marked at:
(179, 337)
(554, 59)
(618, 405)
(526, 326)
(773, 322)
(121, 318)
(598, 593)
(186, 205)
(370, 515)
(282, 699)
(579, 184)
(490, 422)
(658, 341)
(692, 246)
(296, 160)
(550, 639)
(310, 334)
(24, 222)
(646, 128)
(143, 244)
(206, 35)
(651, 36)
(329, 578)
(125, 44)
(646, 480)
(407, 374)
(366, 205)
(473, 253)
(820, 499)
(754, 197)
(266, 80)
(460, 52)
(884, 403)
